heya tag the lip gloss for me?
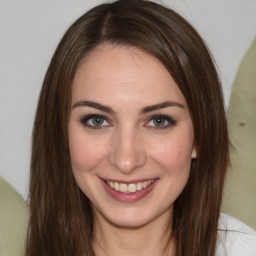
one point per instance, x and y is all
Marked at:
(128, 197)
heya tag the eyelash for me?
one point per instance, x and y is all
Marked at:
(84, 121)
(171, 121)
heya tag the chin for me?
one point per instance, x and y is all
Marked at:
(129, 222)
(132, 218)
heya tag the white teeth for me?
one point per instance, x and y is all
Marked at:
(116, 186)
(139, 186)
(123, 187)
(132, 188)
(129, 188)
(144, 184)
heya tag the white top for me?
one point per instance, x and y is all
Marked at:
(235, 238)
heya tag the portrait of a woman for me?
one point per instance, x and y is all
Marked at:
(130, 144)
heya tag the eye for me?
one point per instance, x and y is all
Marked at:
(95, 121)
(161, 122)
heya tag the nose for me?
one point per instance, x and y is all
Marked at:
(127, 153)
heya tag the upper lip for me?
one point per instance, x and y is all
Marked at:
(127, 182)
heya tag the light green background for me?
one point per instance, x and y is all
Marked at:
(13, 221)
(240, 190)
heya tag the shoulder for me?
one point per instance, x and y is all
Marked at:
(13, 220)
(235, 238)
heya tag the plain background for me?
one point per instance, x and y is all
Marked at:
(31, 29)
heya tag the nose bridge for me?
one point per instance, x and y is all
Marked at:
(127, 152)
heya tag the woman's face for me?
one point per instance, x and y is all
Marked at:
(130, 135)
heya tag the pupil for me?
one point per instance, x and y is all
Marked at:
(159, 121)
(97, 121)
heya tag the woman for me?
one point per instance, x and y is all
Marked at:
(130, 144)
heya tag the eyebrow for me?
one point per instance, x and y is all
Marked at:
(161, 105)
(95, 105)
(144, 110)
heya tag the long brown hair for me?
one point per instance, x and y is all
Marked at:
(61, 221)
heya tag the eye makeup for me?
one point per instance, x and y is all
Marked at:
(160, 122)
(97, 121)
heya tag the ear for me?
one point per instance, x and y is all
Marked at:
(193, 154)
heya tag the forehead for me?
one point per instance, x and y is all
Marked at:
(124, 73)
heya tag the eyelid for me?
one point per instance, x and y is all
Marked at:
(86, 118)
(170, 120)
(84, 121)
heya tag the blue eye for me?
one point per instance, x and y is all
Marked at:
(95, 121)
(161, 122)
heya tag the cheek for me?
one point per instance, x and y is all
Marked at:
(85, 152)
(174, 155)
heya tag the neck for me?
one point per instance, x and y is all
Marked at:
(150, 239)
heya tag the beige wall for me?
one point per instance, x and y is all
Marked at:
(240, 190)
(13, 221)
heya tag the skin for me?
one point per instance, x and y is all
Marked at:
(129, 146)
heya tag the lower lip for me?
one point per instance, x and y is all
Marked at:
(128, 197)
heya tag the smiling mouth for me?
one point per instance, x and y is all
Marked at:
(129, 188)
